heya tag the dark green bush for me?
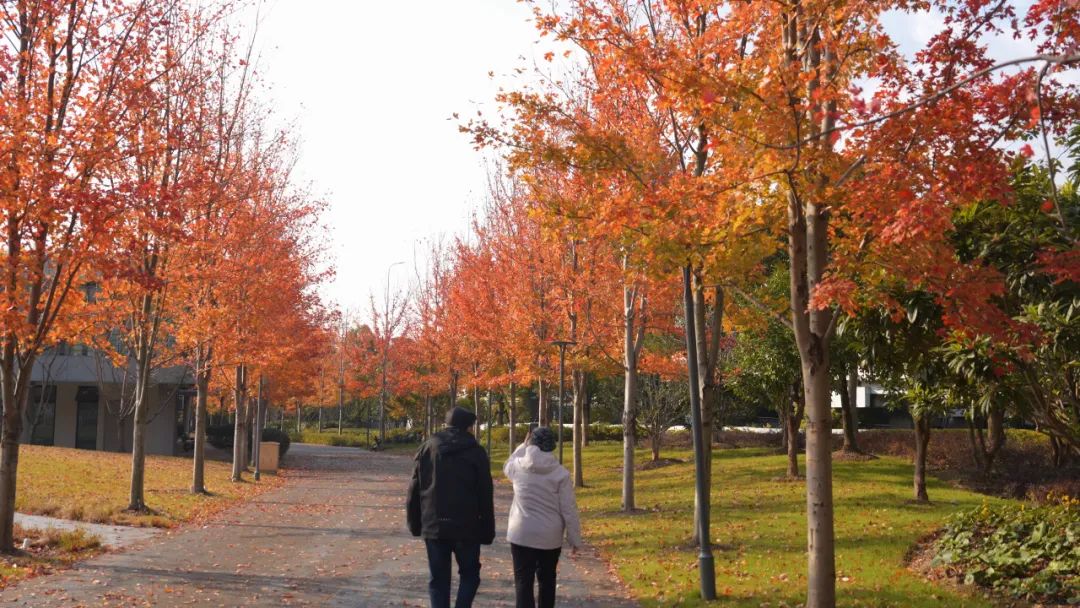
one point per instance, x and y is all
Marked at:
(281, 437)
(1027, 552)
(220, 435)
(400, 435)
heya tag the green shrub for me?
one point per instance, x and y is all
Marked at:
(608, 432)
(401, 435)
(348, 441)
(352, 439)
(597, 432)
(1027, 552)
(281, 437)
(501, 434)
(220, 435)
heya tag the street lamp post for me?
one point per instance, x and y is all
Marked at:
(705, 557)
(562, 344)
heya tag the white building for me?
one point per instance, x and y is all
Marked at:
(78, 399)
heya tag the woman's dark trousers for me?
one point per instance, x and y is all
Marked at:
(534, 564)
(467, 554)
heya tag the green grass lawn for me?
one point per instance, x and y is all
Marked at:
(93, 486)
(759, 527)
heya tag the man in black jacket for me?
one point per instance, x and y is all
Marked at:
(451, 506)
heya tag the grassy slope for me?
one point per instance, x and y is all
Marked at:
(93, 486)
(759, 526)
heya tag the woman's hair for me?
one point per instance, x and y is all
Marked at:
(543, 438)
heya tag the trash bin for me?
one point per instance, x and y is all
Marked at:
(268, 456)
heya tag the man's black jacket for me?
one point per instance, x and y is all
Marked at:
(450, 496)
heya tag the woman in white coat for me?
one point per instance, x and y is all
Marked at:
(543, 512)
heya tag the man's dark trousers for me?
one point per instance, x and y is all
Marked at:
(468, 561)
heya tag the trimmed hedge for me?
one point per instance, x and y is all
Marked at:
(221, 436)
(346, 439)
(354, 438)
(281, 437)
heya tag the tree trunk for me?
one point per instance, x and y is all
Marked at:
(382, 406)
(453, 391)
(586, 418)
(707, 355)
(510, 410)
(630, 390)
(249, 427)
(427, 416)
(655, 440)
(791, 433)
(144, 354)
(579, 398)
(341, 406)
(543, 416)
(783, 414)
(239, 430)
(9, 451)
(792, 422)
(1058, 452)
(299, 417)
(633, 337)
(489, 421)
(848, 413)
(973, 442)
(819, 502)
(198, 466)
(813, 328)
(477, 411)
(14, 403)
(848, 390)
(983, 450)
(922, 441)
(321, 419)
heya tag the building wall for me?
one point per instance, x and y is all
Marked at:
(160, 432)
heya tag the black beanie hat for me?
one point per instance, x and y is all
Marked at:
(543, 438)
(460, 417)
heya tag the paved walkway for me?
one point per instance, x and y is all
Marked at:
(333, 536)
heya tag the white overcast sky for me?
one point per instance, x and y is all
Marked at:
(370, 87)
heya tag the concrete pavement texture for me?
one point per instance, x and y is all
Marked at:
(334, 535)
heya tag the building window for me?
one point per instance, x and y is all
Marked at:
(41, 411)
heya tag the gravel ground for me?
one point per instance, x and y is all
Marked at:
(334, 535)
